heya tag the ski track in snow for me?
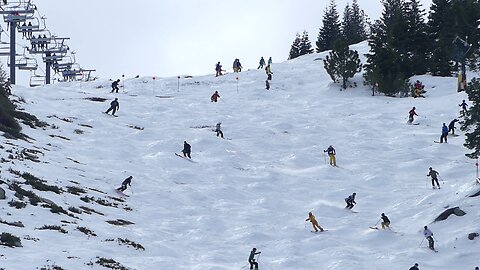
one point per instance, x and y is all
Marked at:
(256, 189)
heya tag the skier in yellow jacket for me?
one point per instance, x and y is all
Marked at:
(314, 222)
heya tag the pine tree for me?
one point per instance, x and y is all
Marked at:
(330, 30)
(418, 44)
(386, 66)
(354, 24)
(342, 63)
(305, 44)
(472, 119)
(295, 48)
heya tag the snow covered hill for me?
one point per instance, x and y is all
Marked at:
(253, 189)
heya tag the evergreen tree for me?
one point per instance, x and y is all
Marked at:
(295, 48)
(441, 32)
(305, 44)
(354, 24)
(472, 119)
(386, 67)
(342, 63)
(330, 30)
(8, 123)
(418, 44)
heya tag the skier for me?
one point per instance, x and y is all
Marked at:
(219, 130)
(444, 133)
(251, 258)
(385, 221)
(237, 66)
(127, 181)
(218, 69)
(464, 106)
(214, 97)
(314, 222)
(451, 126)
(267, 85)
(114, 106)
(270, 61)
(331, 154)
(268, 70)
(411, 113)
(415, 267)
(350, 200)
(429, 235)
(187, 149)
(434, 174)
(115, 86)
(261, 63)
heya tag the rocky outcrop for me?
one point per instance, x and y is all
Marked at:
(456, 211)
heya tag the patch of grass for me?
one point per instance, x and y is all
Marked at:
(90, 211)
(119, 222)
(10, 240)
(96, 99)
(78, 131)
(52, 228)
(20, 193)
(39, 184)
(17, 204)
(75, 190)
(15, 224)
(29, 119)
(86, 231)
(127, 242)
(52, 267)
(110, 263)
(74, 210)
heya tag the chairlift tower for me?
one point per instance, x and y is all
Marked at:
(13, 14)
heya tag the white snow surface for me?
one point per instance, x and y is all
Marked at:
(252, 190)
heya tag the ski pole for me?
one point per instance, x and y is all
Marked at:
(426, 183)
(377, 222)
(421, 242)
(325, 158)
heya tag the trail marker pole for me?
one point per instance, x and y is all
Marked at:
(123, 82)
(476, 164)
(178, 83)
(237, 84)
(421, 242)
(153, 86)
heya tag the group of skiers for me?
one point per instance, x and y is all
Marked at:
(237, 67)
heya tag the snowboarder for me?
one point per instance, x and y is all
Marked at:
(314, 222)
(218, 129)
(350, 200)
(251, 258)
(385, 221)
(270, 61)
(269, 73)
(464, 106)
(214, 97)
(434, 175)
(218, 69)
(187, 149)
(444, 133)
(115, 86)
(415, 267)
(114, 106)
(411, 113)
(429, 235)
(261, 63)
(451, 126)
(267, 85)
(331, 154)
(127, 181)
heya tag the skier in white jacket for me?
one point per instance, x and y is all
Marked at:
(429, 235)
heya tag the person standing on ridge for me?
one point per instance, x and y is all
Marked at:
(411, 113)
(434, 175)
(214, 97)
(385, 221)
(451, 126)
(218, 129)
(218, 69)
(331, 154)
(415, 267)
(115, 86)
(127, 181)
(314, 222)
(444, 133)
(261, 63)
(270, 61)
(187, 149)
(464, 106)
(251, 258)
(114, 106)
(429, 236)
(269, 72)
(350, 200)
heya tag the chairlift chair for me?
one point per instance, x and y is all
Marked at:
(36, 79)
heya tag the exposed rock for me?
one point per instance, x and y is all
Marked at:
(2, 194)
(456, 211)
(472, 236)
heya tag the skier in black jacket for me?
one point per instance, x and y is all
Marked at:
(451, 126)
(127, 181)
(251, 258)
(187, 149)
(385, 221)
(115, 86)
(415, 267)
(114, 106)
(350, 200)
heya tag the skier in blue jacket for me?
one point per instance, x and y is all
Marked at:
(444, 133)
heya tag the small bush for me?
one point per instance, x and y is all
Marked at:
(110, 263)
(119, 222)
(86, 231)
(17, 204)
(52, 267)
(10, 240)
(74, 210)
(75, 190)
(130, 243)
(53, 228)
(39, 184)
